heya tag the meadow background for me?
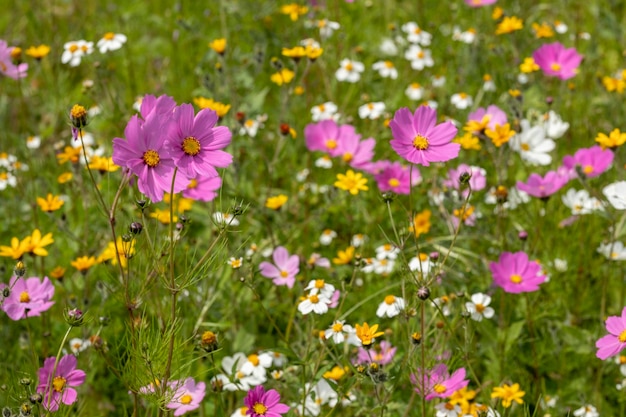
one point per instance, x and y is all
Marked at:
(147, 320)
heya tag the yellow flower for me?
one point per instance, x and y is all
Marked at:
(335, 374)
(351, 182)
(103, 164)
(126, 250)
(284, 76)
(15, 251)
(218, 45)
(65, 177)
(462, 397)
(208, 103)
(296, 52)
(615, 139)
(50, 203)
(367, 334)
(509, 24)
(344, 257)
(528, 65)
(475, 126)
(163, 215)
(513, 92)
(508, 394)
(542, 30)
(463, 214)
(294, 10)
(614, 84)
(298, 90)
(421, 223)
(38, 52)
(468, 141)
(276, 202)
(313, 53)
(57, 273)
(181, 204)
(497, 13)
(500, 135)
(35, 243)
(83, 263)
(70, 154)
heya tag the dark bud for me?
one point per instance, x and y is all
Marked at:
(126, 238)
(25, 381)
(237, 211)
(522, 235)
(20, 269)
(35, 399)
(6, 412)
(26, 409)
(440, 325)
(135, 228)
(104, 320)
(464, 178)
(6, 292)
(141, 204)
(388, 197)
(183, 219)
(423, 293)
(74, 317)
(284, 129)
(240, 117)
(433, 256)
(416, 338)
(549, 100)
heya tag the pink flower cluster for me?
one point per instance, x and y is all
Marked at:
(437, 382)
(7, 67)
(169, 149)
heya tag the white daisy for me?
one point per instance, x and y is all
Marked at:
(315, 303)
(448, 410)
(386, 69)
(324, 111)
(414, 91)
(387, 251)
(461, 100)
(327, 237)
(357, 240)
(327, 27)
(554, 126)
(339, 331)
(586, 411)
(580, 202)
(74, 51)
(532, 144)
(321, 287)
(478, 307)
(349, 71)
(390, 307)
(415, 34)
(372, 110)
(420, 58)
(388, 47)
(324, 162)
(438, 80)
(111, 42)
(616, 194)
(613, 250)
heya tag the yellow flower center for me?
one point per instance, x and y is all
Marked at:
(347, 157)
(389, 64)
(186, 399)
(420, 54)
(480, 308)
(191, 146)
(525, 147)
(555, 67)
(331, 143)
(393, 182)
(417, 31)
(349, 66)
(319, 284)
(73, 48)
(284, 274)
(254, 359)
(588, 169)
(84, 48)
(314, 299)
(337, 327)
(78, 111)
(516, 279)
(151, 158)
(24, 297)
(259, 408)
(192, 184)
(58, 383)
(109, 36)
(438, 388)
(420, 143)
(622, 337)
(390, 299)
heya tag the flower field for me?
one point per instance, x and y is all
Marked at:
(324, 208)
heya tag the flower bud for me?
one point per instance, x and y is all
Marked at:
(78, 116)
(25, 381)
(74, 317)
(423, 293)
(20, 269)
(135, 228)
(35, 399)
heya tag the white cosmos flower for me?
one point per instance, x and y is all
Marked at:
(349, 71)
(580, 202)
(372, 110)
(74, 51)
(316, 303)
(338, 332)
(616, 194)
(532, 144)
(386, 69)
(461, 100)
(420, 58)
(478, 307)
(613, 250)
(554, 126)
(390, 307)
(414, 91)
(324, 111)
(111, 42)
(415, 34)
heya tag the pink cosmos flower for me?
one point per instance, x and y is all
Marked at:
(437, 382)
(494, 114)
(203, 188)
(381, 354)
(420, 140)
(28, 297)
(479, 3)
(478, 179)
(326, 136)
(163, 106)
(544, 187)
(613, 343)
(144, 154)
(187, 397)
(58, 387)
(195, 144)
(357, 153)
(284, 269)
(264, 404)
(396, 178)
(592, 161)
(557, 61)
(7, 67)
(514, 273)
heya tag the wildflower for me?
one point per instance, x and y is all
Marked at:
(616, 194)
(203, 188)
(421, 223)
(78, 345)
(284, 269)
(35, 243)
(367, 334)
(590, 161)
(357, 153)
(613, 250)
(327, 237)
(557, 61)
(372, 110)
(317, 303)
(28, 297)
(340, 332)
(477, 178)
(74, 52)
(514, 273)
(420, 58)
(335, 374)
(344, 257)
(397, 178)
(415, 34)
(508, 394)
(38, 52)
(390, 307)
(533, 145)
(500, 135)
(276, 202)
(478, 307)
(349, 71)
(327, 27)
(102, 164)
(263, 403)
(554, 126)
(468, 142)
(580, 202)
(418, 138)
(57, 273)
(613, 140)
(83, 263)
(125, 250)
(485, 118)
(187, 397)
(312, 52)
(529, 65)
(324, 111)
(614, 84)
(479, 3)
(414, 91)
(226, 219)
(111, 42)
(381, 354)
(50, 203)
(437, 382)
(542, 30)
(421, 264)
(208, 103)
(351, 182)
(386, 69)
(218, 45)
(489, 84)
(467, 36)
(613, 343)
(509, 24)
(461, 100)
(57, 382)
(293, 10)
(543, 187)
(586, 411)
(284, 76)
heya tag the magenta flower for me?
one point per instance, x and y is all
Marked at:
(592, 161)
(479, 3)
(477, 181)
(187, 397)
(494, 114)
(264, 404)
(557, 61)
(420, 140)
(357, 153)
(396, 178)
(162, 106)
(7, 67)
(381, 354)
(437, 382)
(514, 273)
(543, 187)
(284, 269)
(144, 154)
(195, 144)
(327, 135)
(203, 188)
(613, 343)
(28, 297)
(57, 385)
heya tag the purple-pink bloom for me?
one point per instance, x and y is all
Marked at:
(614, 342)
(327, 135)
(494, 114)
(543, 187)
(479, 3)
(196, 144)
(163, 106)
(57, 385)
(7, 67)
(419, 139)
(187, 396)
(557, 61)
(381, 354)
(284, 269)
(477, 181)
(394, 177)
(203, 188)
(28, 297)
(514, 273)
(592, 161)
(437, 382)
(357, 153)
(264, 404)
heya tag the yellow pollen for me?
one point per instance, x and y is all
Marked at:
(417, 31)
(393, 182)
(449, 406)
(516, 279)
(415, 85)
(254, 359)
(622, 359)
(337, 327)
(349, 66)
(383, 262)
(420, 143)
(525, 147)
(387, 247)
(314, 299)
(58, 383)
(249, 123)
(84, 48)
(73, 48)
(186, 399)
(370, 106)
(284, 274)
(24, 297)
(78, 111)
(390, 299)
(438, 388)
(622, 337)
(588, 169)
(347, 157)
(480, 308)
(389, 64)
(109, 36)
(151, 158)
(420, 54)
(191, 146)
(192, 184)
(555, 67)
(239, 375)
(321, 108)
(331, 143)
(319, 283)
(423, 257)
